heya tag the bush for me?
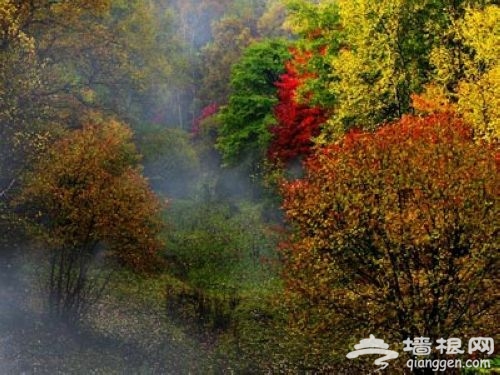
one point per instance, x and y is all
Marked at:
(87, 201)
(396, 235)
(212, 244)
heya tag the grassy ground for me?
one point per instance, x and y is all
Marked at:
(128, 332)
(198, 320)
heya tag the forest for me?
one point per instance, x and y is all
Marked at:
(249, 186)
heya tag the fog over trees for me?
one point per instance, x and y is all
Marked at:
(248, 186)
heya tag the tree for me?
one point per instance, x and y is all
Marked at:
(63, 59)
(385, 57)
(207, 112)
(270, 24)
(320, 38)
(24, 116)
(467, 69)
(195, 18)
(375, 55)
(230, 37)
(396, 235)
(298, 123)
(236, 30)
(88, 201)
(87, 49)
(246, 119)
(170, 160)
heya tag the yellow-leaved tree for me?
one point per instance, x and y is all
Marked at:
(88, 202)
(479, 92)
(469, 71)
(383, 59)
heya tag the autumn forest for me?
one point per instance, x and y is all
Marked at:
(249, 186)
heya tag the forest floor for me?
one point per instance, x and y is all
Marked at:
(127, 333)
(10, 310)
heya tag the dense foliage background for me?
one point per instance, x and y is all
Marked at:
(245, 186)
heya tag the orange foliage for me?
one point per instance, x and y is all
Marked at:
(396, 232)
(432, 100)
(89, 191)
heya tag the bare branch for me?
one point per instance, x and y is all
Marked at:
(4, 192)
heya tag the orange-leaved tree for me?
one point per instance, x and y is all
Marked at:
(396, 234)
(89, 201)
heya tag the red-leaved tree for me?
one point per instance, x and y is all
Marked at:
(206, 112)
(397, 235)
(298, 123)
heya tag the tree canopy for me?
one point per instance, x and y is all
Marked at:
(396, 233)
(88, 200)
(246, 119)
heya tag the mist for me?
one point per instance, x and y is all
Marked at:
(127, 330)
(245, 186)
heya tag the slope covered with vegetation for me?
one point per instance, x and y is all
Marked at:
(249, 187)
